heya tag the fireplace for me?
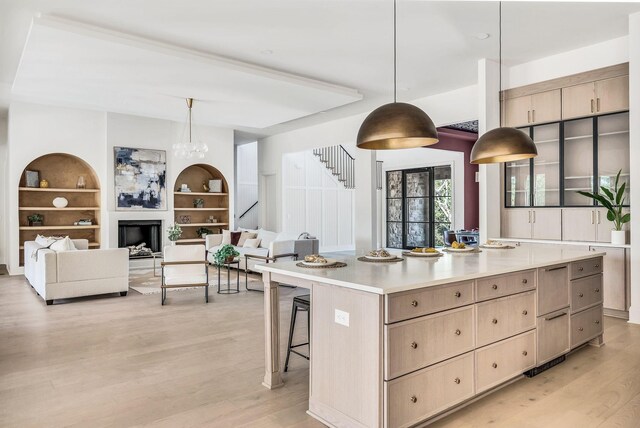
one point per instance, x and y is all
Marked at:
(142, 237)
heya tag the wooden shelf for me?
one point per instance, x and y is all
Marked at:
(186, 241)
(200, 193)
(91, 245)
(202, 224)
(72, 227)
(59, 209)
(59, 190)
(200, 209)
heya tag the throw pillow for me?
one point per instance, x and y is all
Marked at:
(266, 237)
(64, 244)
(45, 241)
(244, 236)
(252, 243)
(226, 237)
(235, 237)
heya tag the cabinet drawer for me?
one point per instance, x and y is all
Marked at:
(504, 285)
(403, 306)
(586, 267)
(553, 335)
(586, 292)
(414, 344)
(505, 317)
(504, 360)
(586, 325)
(553, 288)
(420, 395)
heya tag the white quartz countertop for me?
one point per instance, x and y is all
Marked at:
(575, 243)
(414, 272)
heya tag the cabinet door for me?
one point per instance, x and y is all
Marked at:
(517, 111)
(614, 278)
(553, 335)
(578, 101)
(516, 223)
(547, 224)
(579, 224)
(546, 107)
(612, 94)
(604, 226)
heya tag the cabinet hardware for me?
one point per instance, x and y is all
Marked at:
(494, 286)
(598, 217)
(555, 316)
(533, 115)
(495, 321)
(524, 281)
(414, 345)
(524, 353)
(597, 290)
(525, 312)
(414, 303)
(598, 104)
(494, 365)
(596, 266)
(597, 322)
(413, 399)
(580, 269)
(457, 381)
(534, 216)
(580, 329)
(555, 268)
(591, 105)
(528, 116)
(458, 332)
(580, 295)
(457, 294)
(592, 220)
(529, 216)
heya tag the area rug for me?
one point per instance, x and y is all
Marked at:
(143, 281)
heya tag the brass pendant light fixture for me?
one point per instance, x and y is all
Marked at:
(396, 125)
(502, 144)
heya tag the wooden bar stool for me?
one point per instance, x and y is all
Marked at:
(300, 303)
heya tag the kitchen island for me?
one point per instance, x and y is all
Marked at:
(399, 344)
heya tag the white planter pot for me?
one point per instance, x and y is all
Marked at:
(618, 237)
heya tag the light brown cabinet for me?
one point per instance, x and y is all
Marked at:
(587, 224)
(533, 109)
(616, 281)
(553, 288)
(553, 335)
(544, 223)
(594, 98)
(500, 318)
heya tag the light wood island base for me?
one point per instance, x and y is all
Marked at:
(385, 353)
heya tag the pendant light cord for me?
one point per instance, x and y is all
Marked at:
(500, 59)
(395, 78)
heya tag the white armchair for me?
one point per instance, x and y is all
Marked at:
(83, 272)
(185, 266)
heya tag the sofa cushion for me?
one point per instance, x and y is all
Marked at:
(266, 237)
(184, 274)
(252, 243)
(226, 237)
(235, 237)
(244, 236)
(64, 244)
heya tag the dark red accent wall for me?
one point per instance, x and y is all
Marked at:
(461, 141)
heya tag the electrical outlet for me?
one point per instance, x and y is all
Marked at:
(342, 318)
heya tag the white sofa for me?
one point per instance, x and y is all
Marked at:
(272, 245)
(83, 272)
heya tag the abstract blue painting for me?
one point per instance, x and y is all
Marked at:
(140, 179)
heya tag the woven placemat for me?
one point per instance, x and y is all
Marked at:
(366, 260)
(504, 247)
(334, 265)
(475, 251)
(409, 254)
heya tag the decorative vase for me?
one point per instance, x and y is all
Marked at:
(173, 242)
(60, 202)
(618, 237)
(44, 183)
(81, 184)
(35, 223)
(229, 259)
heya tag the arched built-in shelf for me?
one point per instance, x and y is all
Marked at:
(61, 172)
(216, 204)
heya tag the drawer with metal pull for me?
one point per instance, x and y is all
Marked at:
(504, 360)
(417, 396)
(504, 285)
(414, 344)
(586, 325)
(428, 300)
(586, 292)
(553, 335)
(501, 318)
(587, 267)
(553, 288)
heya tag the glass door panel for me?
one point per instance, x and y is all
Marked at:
(613, 150)
(546, 167)
(442, 203)
(418, 208)
(395, 213)
(578, 161)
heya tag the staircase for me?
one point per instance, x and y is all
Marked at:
(342, 165)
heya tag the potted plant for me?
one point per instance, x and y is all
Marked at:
(35, 219)
(613, 199)
(225, 254)
(203, 231)
(198, 203)
(174, 232)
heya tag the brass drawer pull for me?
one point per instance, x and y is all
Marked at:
(414, 345)
(597, 290)
(494, 365)
(580, 268)
(580, 329)
(597, 321)
(414, 303)
(556, 316)
(592, 105)
(458, 332)
(524, 353)
(413, 399)
(495, 286)
(524, 281)
(596, 266)
(457, 294)
(525, 312)
(555, 268)
(495, 321)
(580, 295)
(457, 380)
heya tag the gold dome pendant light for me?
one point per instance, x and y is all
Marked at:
(502, 144)
(396, 125)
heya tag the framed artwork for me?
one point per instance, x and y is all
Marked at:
(184, 219)
(140, 179)
(32, 178)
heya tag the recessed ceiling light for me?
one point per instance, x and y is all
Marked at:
(481, 36)
(266, 51)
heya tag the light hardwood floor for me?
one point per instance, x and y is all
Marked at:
(127, 361)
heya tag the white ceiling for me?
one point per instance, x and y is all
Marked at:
(347, 44)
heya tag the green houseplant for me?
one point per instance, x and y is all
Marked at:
(35, 219)
(174, 232)
(198, 203)
(225, 254)
(613, 199)
(203, 231)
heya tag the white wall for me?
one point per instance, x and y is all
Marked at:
(315, 202)
(450, 107)
(4, 159)
(247, 185)
(35, 130)
(634, 143)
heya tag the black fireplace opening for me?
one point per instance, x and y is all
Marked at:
(143, 238)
